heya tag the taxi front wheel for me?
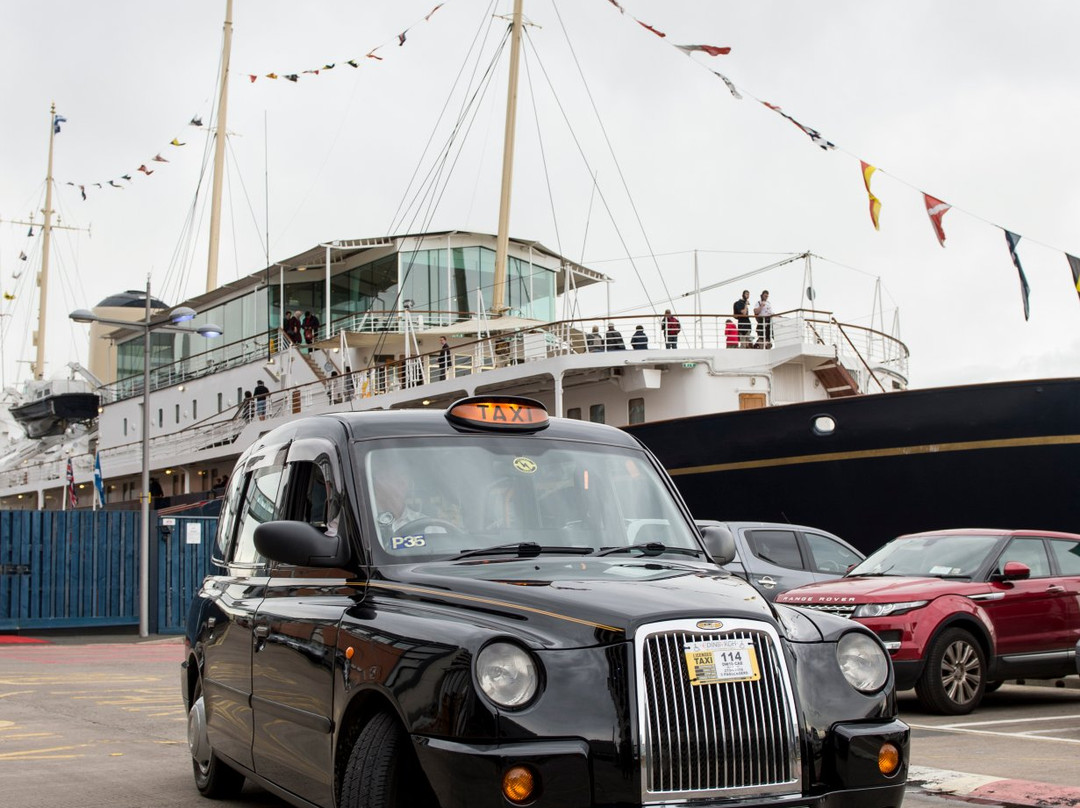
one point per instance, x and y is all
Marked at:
(213, 777)
(383, 771)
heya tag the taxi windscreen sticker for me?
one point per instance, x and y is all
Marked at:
(524, 465)
(714, 661)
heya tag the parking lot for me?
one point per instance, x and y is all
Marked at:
(101, 725)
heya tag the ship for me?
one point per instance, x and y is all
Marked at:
(810, 421)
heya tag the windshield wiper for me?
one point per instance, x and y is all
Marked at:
(522, 549)
(652, 548)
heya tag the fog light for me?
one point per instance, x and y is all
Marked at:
(519, 784)
(888, 759)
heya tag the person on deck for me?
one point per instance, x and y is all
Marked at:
(613, 339)
(671, 327)
(639, 340)
(741, 310)
(764, 313)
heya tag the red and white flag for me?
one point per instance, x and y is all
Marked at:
(936, 209)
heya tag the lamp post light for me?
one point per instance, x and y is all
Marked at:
(170, 322)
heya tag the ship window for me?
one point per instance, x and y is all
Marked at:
(125, 427)
(177, 415)
(636, 411)
(220, 401)
(574, 412)
(194, 410)
(160, 417)
(596, 413)
(824, 425)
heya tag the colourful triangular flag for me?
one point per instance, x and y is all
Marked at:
(1074, 265)
(660, 34)
(253, 77)
(114, 185)
(875, 203)
(158, 158)
(730, 86)
(936, 209)
(145, 170)
(22, 255)
(126, 177)
(8, 296)
(712, 50)
(57, 120)
(196, 121)
(292, 77)
(428, 17)
(352, 62)
(401, 38)
(31, 233)
(1025, 290)
(371, 54)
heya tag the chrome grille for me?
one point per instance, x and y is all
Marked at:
(721, 739)
(840, 609)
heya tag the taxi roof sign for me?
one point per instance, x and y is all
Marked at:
(499, 414)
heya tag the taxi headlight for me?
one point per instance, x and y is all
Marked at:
(862, 661)
(507, 674)
(886, 609)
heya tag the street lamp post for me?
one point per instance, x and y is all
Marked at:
(170, 322)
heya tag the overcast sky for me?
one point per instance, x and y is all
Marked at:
(972, 101)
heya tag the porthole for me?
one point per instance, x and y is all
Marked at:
(823, 425)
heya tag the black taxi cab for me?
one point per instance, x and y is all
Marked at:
(490, 607)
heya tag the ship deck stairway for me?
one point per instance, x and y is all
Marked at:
(837, 379)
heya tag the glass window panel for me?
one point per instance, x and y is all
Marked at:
(1067, 554)
(828, 555)
(1027, 551)
(779, 547)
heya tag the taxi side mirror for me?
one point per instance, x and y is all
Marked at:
(719, 543)
(301, 544)
(1014, 571)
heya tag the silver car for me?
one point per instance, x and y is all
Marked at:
(774, 556)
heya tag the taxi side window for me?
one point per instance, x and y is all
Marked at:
(227, 520)
(259, 505)
(779, 547)
(1067, 554)
(314, 498)
(1027, 551)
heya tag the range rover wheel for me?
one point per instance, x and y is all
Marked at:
(213, 777)
(383, 771)
(954, 679)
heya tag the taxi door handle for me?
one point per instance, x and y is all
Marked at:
(262, 632)
(767, 582)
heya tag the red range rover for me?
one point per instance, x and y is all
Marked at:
(962, 610)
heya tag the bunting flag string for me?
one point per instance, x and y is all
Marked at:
(294, 76)
(1074, 265)
(1012, 239)
(935, 208)
(875, 203)
(196, 121)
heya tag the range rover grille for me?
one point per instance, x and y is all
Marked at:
(730, 738)
(841, 609)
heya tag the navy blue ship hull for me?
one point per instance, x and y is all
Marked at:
(1000, 455)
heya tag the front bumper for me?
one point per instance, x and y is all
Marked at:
(470, 775)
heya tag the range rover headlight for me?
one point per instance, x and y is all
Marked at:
(886, 609)
(507, 674)
(862, 661)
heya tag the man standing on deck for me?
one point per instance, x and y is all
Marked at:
(742, 318)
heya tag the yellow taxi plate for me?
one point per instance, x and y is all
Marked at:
(713, 661)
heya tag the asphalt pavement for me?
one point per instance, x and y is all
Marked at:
(96, 720)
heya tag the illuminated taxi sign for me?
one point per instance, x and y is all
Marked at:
(499, 414)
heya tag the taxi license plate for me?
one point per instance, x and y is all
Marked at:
(714, 661)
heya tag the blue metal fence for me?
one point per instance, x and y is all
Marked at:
(183, 560)
(68, 569)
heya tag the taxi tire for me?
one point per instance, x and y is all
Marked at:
(215, 779)
(382, 770)
(954, 679)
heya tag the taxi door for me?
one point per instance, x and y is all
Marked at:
(231, 602)
(295, 647)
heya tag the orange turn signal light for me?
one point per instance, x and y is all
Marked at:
(519, 784)
(888, 759)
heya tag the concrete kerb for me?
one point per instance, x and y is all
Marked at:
(992, 790)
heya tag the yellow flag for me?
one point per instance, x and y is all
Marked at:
(875, 203)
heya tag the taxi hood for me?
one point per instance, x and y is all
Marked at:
(876, 589)
(578, 601)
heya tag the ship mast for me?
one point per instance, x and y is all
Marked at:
(498, 295)
(43, 275)
(219, 155)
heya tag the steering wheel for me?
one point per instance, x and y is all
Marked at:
(421, 525)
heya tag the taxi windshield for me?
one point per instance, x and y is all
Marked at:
(444, 497)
